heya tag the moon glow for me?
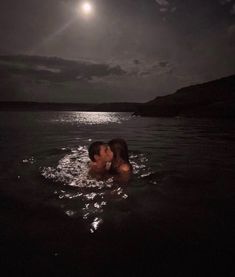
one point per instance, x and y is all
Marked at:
(87, 8)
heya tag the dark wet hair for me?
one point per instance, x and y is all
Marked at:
(119, 148)
(94, 149)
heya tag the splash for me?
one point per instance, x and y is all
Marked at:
(87, 197)
(72, 171)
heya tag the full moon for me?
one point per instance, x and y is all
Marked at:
(87, 8)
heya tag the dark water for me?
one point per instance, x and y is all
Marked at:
(176, 216)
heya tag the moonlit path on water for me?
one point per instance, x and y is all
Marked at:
(72, 170)
(179, 203)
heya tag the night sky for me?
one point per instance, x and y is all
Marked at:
(161, 45)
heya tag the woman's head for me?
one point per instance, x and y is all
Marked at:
(119, 148)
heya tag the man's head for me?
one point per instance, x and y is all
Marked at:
(100, 151)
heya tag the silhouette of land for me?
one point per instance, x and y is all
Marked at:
(34, 82)
(211, 99)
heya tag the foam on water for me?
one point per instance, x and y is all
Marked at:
(95, 195)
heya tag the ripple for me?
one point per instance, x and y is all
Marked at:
(83, 196)
(30, 160)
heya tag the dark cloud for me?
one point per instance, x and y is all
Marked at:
(58, 69)
(148, 47)
(224, 2)
(163, 64)
(144, 73)
(163, 3)
(136, 62)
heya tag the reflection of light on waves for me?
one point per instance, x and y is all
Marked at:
(139, 164)
(99, 118)
(92, 118)
(72, 170)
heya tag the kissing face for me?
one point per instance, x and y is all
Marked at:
(106, 154)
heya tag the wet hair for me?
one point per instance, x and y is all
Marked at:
(119, 148)
(94, 149)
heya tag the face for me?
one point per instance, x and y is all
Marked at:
(106, 154)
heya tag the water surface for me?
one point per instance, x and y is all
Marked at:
(181, 193)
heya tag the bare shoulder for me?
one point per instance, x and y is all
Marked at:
(125, 168)
(125, 173)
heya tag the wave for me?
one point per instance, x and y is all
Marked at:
(94, 195)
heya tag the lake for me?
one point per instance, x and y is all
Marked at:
(175, 215)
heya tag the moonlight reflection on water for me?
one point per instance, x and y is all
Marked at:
(89, 198)
(91, 118)
(181, 192)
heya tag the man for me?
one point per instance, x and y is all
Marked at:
(100, 154)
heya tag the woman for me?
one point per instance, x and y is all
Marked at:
(120, 164)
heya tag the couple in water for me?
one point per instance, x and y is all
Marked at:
(110, 160)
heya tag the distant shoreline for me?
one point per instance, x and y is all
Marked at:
(223, 110)
(40, 106)
(26, 79)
